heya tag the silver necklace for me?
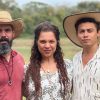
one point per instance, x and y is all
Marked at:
(47, 72)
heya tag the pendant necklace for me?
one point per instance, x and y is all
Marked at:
(9, 75)
(50, 82)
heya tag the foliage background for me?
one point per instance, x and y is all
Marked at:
(35, 12)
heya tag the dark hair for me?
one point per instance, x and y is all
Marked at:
(84, 20)
(35, 59)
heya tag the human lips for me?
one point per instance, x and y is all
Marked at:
(84, 40)
(47, 51)
(3, 42)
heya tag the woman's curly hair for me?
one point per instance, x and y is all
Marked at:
(36, 58)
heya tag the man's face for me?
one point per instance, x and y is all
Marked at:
(6, 35)
(87, 34)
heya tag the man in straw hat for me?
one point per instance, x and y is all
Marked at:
(83, 30)
(11, 62)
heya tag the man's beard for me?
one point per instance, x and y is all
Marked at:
(5, 45)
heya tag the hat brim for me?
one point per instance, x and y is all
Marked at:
(17, 24)
(69, 24)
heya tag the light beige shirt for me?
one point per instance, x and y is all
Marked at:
(86, 80)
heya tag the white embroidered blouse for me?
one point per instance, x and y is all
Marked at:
(50, 91)
(86, 80)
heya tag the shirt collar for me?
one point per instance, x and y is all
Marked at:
(13, 53)
(97, 54)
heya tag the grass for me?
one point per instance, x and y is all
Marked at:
(24, 47)
(69, 49)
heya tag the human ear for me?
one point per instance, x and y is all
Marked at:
(13, 35)
(98, 34)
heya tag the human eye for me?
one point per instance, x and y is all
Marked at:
(0, 30)
(81, 31)
(90, 30)
(42, 41)
(8, 30)
(52, 41)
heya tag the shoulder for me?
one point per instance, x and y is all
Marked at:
(26, 66)
(77, 55)
(69, 65)
(17, 55)
(98, 51)
(69, 68)
(68, 62)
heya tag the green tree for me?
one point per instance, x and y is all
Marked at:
(89, 6)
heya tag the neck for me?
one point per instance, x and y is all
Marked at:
(47, 60)
(88, 53)
(90, 50)
(48, 65)
(7, 56)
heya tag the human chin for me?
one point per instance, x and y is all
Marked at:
(5, 48)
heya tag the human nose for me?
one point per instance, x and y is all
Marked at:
(85, 33)
(47, 45)
(2, 33)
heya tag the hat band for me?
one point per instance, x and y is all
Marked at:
(5, 20)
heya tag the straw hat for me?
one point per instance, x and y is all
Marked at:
(5, 18)
(69, 24)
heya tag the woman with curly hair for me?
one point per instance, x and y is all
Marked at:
(46, 75)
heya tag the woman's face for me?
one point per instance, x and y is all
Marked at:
(47, 44)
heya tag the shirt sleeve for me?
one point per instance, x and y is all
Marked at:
(25, 69)
(23, 83)
(69, 68)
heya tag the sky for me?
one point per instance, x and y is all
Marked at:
(54, 2)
